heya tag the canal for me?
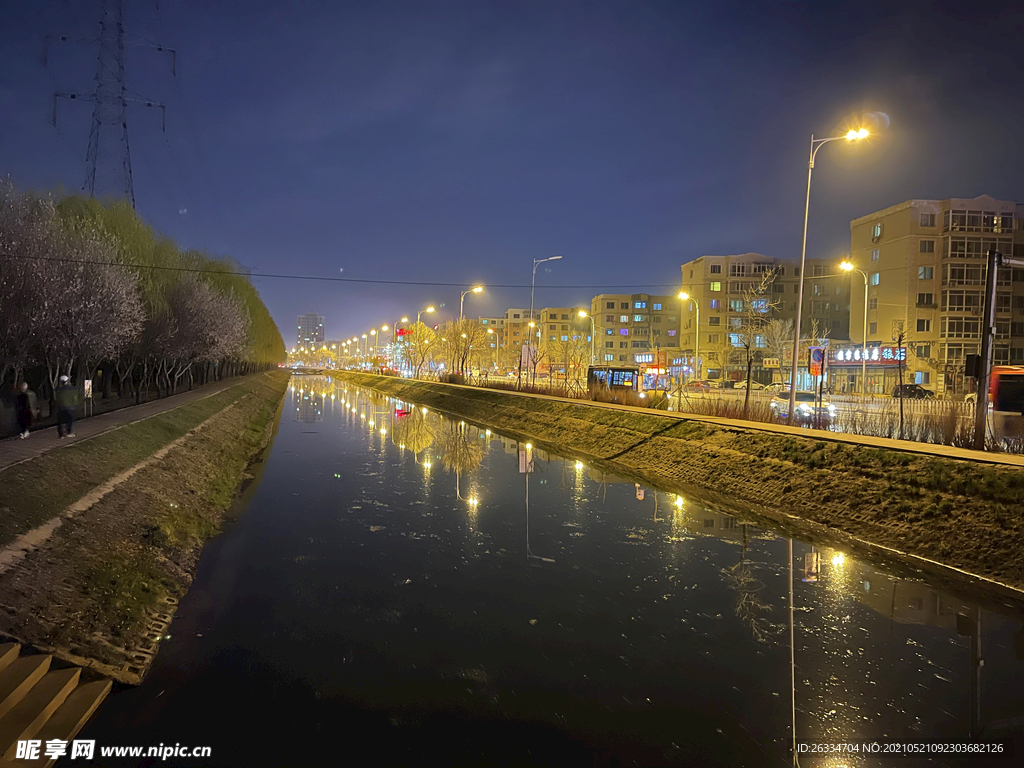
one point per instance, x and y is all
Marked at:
(401, 588)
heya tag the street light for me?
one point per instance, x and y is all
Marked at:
(696, 339)
(394, 340)
(462, 299)
(816, 144)
(428, 309)
(533, 284)
(846, 266)
(584, 314)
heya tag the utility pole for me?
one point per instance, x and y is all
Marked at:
(108, 137)
(988, 329)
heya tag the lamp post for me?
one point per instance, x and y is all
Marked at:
(427, 310)
(394, 339)
(462, 298)
(816, 144)
(497, 346)
(584, 314)
(533, 285)
(533, 282)
(696, 339)
(848, 267)
(365, 346)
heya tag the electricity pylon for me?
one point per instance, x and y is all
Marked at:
(108, 137)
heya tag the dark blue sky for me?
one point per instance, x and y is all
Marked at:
(458, 141)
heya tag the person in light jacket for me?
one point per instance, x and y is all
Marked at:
(67, 401)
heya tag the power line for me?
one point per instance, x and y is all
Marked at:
(277, 276)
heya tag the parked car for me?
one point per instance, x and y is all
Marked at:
(806, 408)
(777, 386)
(912, 392)
(753, 385)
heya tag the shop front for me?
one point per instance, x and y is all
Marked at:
(878, 366)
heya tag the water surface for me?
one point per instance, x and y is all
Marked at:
(403, 588)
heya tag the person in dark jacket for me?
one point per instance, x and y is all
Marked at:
(67, 401)
(25, 406)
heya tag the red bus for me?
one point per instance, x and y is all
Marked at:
(1006, 401)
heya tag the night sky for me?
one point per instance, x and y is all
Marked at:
(456, 142)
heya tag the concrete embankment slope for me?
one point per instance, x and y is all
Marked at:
(943, 512)
(95, 580)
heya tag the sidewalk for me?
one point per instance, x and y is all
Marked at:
(14, 450)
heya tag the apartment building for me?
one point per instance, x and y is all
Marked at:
(627, 325)
(716, 286)
(562, 323)
(925, 262)
(495, 329)
(311, 329)
(517, 326)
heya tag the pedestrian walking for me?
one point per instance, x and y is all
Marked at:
(26, 408)
(67, 401)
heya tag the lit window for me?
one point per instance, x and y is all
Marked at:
(874, 254)
(876, 231)
(657, 306)
(716, 286)
(874, 278)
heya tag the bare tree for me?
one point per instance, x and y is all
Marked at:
(778, 337)
(420, 346)
(758, 306)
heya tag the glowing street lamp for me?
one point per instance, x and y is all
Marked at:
(583, 314)
(462, 299)
(816, 144)
(847, 266)
(696, 339)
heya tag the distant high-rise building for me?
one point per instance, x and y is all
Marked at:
(311, 329)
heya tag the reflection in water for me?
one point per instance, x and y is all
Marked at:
(645, 627)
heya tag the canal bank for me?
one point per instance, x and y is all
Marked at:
(951, 516)
(102, 538)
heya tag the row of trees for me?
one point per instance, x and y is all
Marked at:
(88, 288)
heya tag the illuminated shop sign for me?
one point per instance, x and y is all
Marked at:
(879, 355)
(644, 358)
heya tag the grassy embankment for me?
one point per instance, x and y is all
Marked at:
(86, 594)
(33, 492)
(962, 514)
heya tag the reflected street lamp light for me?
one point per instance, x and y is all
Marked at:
(816, 144)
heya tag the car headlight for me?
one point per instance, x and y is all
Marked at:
(804, 408)
(832, 409)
